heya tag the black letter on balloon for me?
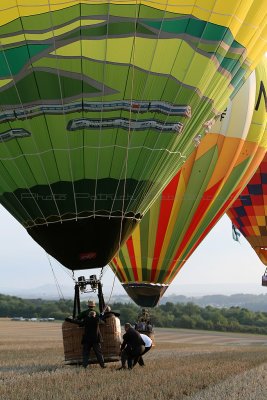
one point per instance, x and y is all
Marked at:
(262, 92)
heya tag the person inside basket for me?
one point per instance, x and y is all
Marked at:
(85, 313)
(91, 339)
(108, 313)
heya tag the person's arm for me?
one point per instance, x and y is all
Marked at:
(82, 315)
(124, 343)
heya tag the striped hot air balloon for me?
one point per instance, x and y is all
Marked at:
(249, 212)
(197, 196)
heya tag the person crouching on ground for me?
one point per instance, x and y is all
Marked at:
(91, 339)
(148, 346)
(132, 347)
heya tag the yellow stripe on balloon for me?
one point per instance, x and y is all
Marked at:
(153, 227)
(4, 82)
(51, 33)
(121, 269)
(119, 50)
(227, 159)
(242, 17)
(128, 264)
(137, 251)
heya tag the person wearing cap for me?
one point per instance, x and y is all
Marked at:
(91, 339)
(108, 313)
(132, 347)
(85, 313)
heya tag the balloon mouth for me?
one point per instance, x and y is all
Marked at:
(262, 254)
(145, 294)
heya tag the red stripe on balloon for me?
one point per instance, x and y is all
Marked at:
(118, 270)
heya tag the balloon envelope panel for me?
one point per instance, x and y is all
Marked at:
(197, 196)
(249, 212)
(100, 105)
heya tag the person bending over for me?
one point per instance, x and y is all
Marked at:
(132, 347)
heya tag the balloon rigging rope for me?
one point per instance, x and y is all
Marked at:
(129, 131)
(182, 157)
(125, 164)
(102, 109)
(89, 147)
(38, 153)
(33, 139)
(112, 288)
(82, 148)
(60, 294)
(142, 99)
(62, 102)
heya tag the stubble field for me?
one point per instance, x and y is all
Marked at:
(184, 364)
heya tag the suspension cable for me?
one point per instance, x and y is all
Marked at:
(60, 294)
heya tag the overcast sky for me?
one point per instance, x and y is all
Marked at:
(219, 265)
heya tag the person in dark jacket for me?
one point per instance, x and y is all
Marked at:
(91, 339)
(132, 347)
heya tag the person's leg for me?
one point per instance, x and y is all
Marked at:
(141, 360)
(85, 354)
(130, 362)
(124, 358)
(137, 353)
(99, 354)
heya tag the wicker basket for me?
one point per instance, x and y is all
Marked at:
(111, 336)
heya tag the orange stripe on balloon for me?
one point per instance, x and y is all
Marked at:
(168, 196)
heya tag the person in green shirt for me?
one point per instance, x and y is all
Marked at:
(85, 313)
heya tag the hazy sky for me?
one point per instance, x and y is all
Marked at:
(222, 264)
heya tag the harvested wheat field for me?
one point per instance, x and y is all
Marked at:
(184, 364)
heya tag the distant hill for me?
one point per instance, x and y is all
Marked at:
(253, 302)
(249, 301)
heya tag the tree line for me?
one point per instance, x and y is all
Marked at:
(169, 315)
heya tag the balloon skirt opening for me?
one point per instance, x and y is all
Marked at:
(145, 294)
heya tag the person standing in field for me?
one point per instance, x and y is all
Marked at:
(91, 339)
(132, 347)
